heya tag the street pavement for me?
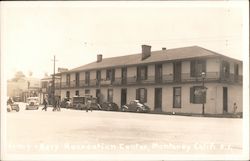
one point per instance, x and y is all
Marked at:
(106, 132)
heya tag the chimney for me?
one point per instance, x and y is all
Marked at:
(164, 48)
(146, 51)
(99, 57)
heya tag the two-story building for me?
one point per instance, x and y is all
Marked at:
(166, 80)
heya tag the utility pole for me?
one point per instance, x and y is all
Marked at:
(53, 79)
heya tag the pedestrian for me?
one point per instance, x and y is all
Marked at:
(45, 102)
(89, 106)
(235, 107)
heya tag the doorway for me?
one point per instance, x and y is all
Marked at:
(98, 95)
(123, 96)
(225, 100)
(158, 99)
(177, 71)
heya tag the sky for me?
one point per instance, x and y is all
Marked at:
(75, 32)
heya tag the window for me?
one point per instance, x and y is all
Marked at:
(141, 95)
(197, 67)
(68, 79)
(124, 75)
(110, 95)
(77, 79)
(177, 97)
(87, 91)
(225, 69)
(197, 95)
(110, 74)
(77, 93)
(142, 73)
(87, 77)
(68, 94)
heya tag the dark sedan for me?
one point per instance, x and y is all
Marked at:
(109, 106)
(135, 106)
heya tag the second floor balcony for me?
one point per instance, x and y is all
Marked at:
(151, 80)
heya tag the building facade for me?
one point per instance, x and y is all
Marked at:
(178, 80)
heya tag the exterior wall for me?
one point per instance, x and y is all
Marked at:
(131, 71)
(151, 70)
(118, 72)
(214, 97)
(167, 68)
(92, 74)
(185, 67)
(82, 76)
(103, 74)
(64, 77)
(72, 77)
(213, 65)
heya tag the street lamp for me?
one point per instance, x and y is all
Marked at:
(203, 76)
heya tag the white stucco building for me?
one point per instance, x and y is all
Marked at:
(166, 80)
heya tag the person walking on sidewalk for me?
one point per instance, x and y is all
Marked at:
(45, 103)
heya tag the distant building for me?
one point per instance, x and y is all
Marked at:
(47, 87)
(23, 87)
(168, 80)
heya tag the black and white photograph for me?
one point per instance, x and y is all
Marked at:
(124, 80)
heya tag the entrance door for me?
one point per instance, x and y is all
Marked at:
(158, 99)
(177, 71)
(123, 96)
(225, 105)
(158, 73)
(98, 95)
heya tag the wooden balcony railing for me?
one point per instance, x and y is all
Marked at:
(164, 79)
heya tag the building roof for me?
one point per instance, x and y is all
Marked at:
(156, 56)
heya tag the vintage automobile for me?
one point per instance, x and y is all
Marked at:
(81, 103)
(66, 103)
(11, 105)
(32, 103)
(135, 106)
(109, 106)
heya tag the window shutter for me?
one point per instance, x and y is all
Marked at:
(146, 72)
(146, 95)
(192, 95)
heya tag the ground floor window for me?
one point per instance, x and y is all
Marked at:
(197, 95)
(110, 95)
(87, 91)
(77, 93)
(67, 94)
(177, 97)
(141, 95)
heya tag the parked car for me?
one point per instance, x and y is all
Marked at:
(109, 106)
(135, 106)
(66, 103)
(81, 103)
(11, 105)
(32, 103)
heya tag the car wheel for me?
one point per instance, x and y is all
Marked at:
(123, 109)
(138, 110)
(8, 109)
(17, 109)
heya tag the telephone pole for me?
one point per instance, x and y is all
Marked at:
(53, 79)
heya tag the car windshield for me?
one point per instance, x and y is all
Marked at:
(140, 104)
